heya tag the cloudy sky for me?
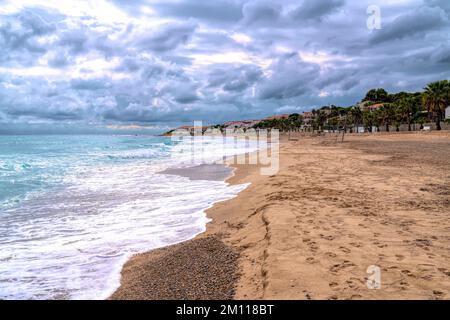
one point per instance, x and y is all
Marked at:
(160, 62)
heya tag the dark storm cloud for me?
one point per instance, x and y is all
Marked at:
(18, 37)
(26, 107)
(313, 10)
(90, 84)
(129, 64)
(234, 79)
(443, 4)
(213, 60)
(222, 11)
(76, 40)
(291, 77)
(256, 12)
(441, 55)
(167, 37)
(417, 22)
(185, 96)
(59, 60)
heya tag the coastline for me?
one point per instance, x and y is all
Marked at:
(312, 230)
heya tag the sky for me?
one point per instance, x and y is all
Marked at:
(157, 63)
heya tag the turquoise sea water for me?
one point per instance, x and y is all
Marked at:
(74, 208)
(30, 164)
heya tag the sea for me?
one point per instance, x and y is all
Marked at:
(75, 208)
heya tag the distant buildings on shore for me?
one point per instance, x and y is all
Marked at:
(307, 119)
(233, 125)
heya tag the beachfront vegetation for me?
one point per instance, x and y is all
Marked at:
(436, 99)
(378, 108)
(291, 123)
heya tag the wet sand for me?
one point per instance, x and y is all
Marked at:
(312, 230)
(212, 172)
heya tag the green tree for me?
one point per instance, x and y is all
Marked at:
(408, 109)
(377, 119)
(387, 114)
(436, 99)
(295, 121)
(320, 119)
(368, 120)
(376, 95)
(397, 117)
(357, 116)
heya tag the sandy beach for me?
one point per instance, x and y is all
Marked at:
(312, 230)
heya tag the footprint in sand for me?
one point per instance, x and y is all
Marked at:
(356, 244)
(444, 271)
(408, 273)
(400, 257)
(311, 260)
(438, 294)
(329, 237)
(345, 250)
(333, 285)
(427, 277)
(337, 267)
(351, 284)
(404, 284)
(313, 246)
(307, 295)
(380, 245)
(331, 254)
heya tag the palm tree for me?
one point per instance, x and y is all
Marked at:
(436, 99)
(321, 117)
(407, 110)
(357, 116)
(377, 119)
(295, 121)
(398, 118)
(368, 119)
(387, 114)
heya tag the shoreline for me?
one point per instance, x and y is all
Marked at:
(305, 233)
(205, 240)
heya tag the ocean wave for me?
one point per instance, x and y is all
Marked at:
(92, 209)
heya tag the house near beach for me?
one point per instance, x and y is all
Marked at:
(369, 106)
(374, 107)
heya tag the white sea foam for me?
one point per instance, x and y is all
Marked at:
(72, 242)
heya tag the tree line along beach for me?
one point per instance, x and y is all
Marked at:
(378, 111)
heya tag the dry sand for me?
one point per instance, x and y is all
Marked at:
(312, 230)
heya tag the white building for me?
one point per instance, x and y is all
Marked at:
(447, 113)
